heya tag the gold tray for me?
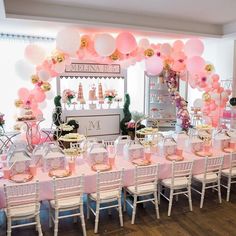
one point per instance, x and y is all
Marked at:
(59, 173)
(101, 167)
(174, 158)
(141, 162)
(21, 178)
(203, 154)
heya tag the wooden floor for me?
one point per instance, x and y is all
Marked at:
(214, 220)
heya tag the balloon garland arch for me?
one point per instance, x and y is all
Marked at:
(171, 60)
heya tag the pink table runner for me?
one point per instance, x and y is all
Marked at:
(90, 176)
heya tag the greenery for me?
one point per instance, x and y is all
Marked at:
(127, 115)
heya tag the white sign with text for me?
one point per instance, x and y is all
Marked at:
(98, 125)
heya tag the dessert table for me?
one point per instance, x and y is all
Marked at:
(82, 167)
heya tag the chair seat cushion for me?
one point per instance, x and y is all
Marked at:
(106, 195)
(210, 177)
(142, 189)
(68, 202)
(22, 210)
(179, 182)
(227, 172)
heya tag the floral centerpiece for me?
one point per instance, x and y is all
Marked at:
(67, 96)
(110, 94)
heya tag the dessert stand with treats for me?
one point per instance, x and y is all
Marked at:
(91, 81)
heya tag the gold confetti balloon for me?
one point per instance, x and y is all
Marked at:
(34, 79)
(18, 103)
(149, 52)
(206, 97)
(46, 86)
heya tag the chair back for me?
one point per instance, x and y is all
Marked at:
(232, 162)
(108, 143)
(22, 194)
(109, 181)
(182, 169)
(146, 174)
(68, 187)
(213, 164)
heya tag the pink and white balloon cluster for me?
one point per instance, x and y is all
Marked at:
(124, 49)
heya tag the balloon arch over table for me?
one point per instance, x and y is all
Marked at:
(172, 61)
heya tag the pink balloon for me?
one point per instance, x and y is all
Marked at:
(213, 106)
(38, 95)
(35, 54)
(193, 47)
(215, 85)
(215, 77)
(166, 49)
(195, 64)
(178, 46)
(228, 91)
(126, 42)
(154, 65)
(23, 93)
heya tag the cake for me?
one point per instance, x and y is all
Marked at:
(26, 114)
(92, 94)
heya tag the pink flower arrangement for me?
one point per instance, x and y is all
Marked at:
(67, 96)
(110, 94)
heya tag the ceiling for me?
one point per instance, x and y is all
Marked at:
(165, 18)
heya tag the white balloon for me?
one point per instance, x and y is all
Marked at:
(144, 43)
(104, 44)
(43, 105)
(43, 75)
(60, 67)
(23, 69)
(50, 95)
(68, 40)
(35, 54)
(198, 102)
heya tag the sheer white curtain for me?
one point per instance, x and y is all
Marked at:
(12, 50)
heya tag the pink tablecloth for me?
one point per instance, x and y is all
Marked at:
(90, 176)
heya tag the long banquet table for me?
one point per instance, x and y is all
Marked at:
(82, 167)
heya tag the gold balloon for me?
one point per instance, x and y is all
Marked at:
(18, 103)
(58, 57)
(34, 79)
(115, 56)
(206, 97)
(209, 68)
(46, 86)
(149, 52)
(83, 43)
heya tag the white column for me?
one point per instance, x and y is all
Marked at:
(234, 72)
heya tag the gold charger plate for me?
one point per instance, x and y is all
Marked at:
(21, 178)
(203, 154)
(101, 167)
(59, 173)
(174, 158)
(141, 162)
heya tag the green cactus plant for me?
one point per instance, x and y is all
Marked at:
(127, 115)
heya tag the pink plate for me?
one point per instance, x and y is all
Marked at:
(174, 157)
(229, 150)
(21, 178)
(141, 162)
(59, 173)
(100, 167)
(204, 154)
